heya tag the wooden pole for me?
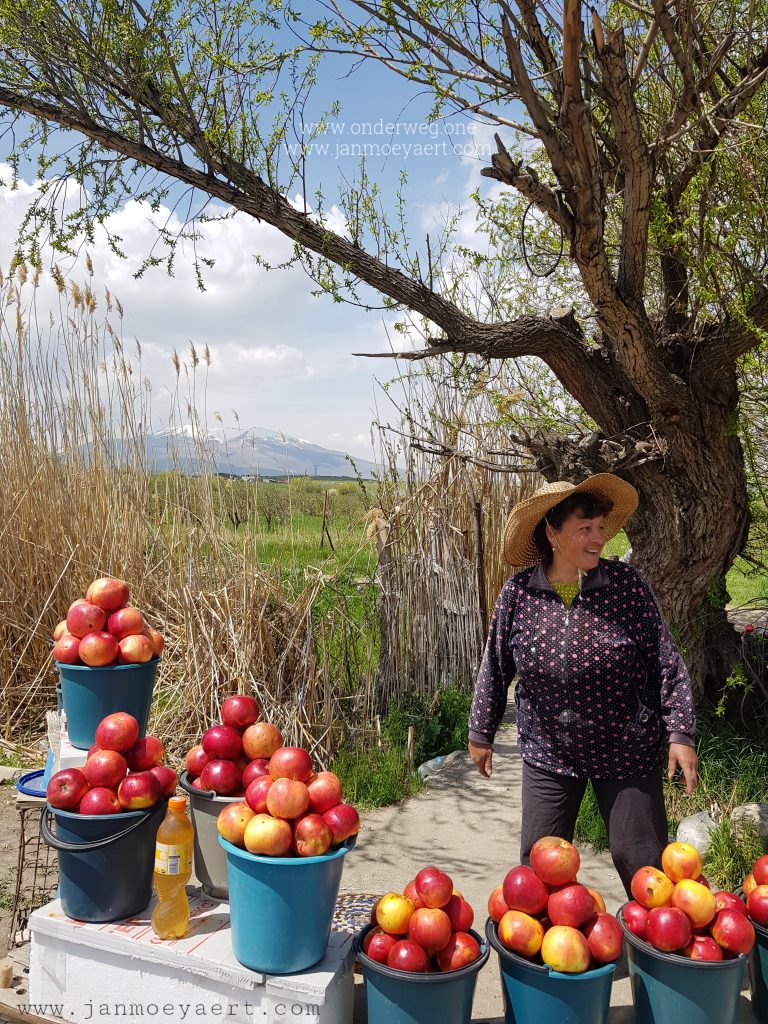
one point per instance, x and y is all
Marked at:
(377, 722)
(325, 513)
(480, 566)
(410, 748)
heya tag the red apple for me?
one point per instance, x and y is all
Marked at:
(460, 912)
(108, 593)
(431, 928)
(413, 896)
(572, 905)
(97, 649)
(407, 955)
(555, 860)
(196, 759)
(393, 913)
(66, 649)
(757, 905)
(261, 740)
(696, 900)
(287, 798)
(105, 768)
(256, 793)
(434, 887)
(167, 778)
(681, 860)
(521, 933)
(223, 777)
(268, 836)
(748, 884)
(636, 919)
(196, 783)
(118, 731)
(524, 890)
(232, 821)
(126, 622)
(760, 870)
(377, 945)
(605, 937)
(730, 901)
(60, 630)
(66, 789)
(651, 887)
(668, 929)
(291, 763)
(733, 932)
(222, 743)
(311, 835)
(92, 750)
(497, 906)
(145, 753)
(462, 949)
(703, 947)
(139, 791)
(324, 791)
(240, 710)
(565, 949)
(84, 617)
(156, 638)
(100, 800)
(254, 770)
(343, 821)
(134, 650)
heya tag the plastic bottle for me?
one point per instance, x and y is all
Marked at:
(173, 869)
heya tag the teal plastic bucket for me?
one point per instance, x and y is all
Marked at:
(758, 972)
(90, 694)
(397, 997)
(281, 908)
(671, 988)
(106, 861)
(535, 994)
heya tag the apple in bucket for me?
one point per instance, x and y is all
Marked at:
(565, 949)
(84, 617)
(100, 800)
(135, 649)
(461, 950)
(118, 731)
(105, 768)
(521, 933)
(145, 753)
(268, 836)
(98, 649)
(139, 791)
(108, 593)
(239, 710)
(555, 860)
(311, 835)
(66, 789)
(522, 889)
(232, 821)
(431, 928)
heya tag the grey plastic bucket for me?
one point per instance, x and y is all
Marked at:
(210, 859)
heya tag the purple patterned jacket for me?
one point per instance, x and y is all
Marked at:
(601, 686)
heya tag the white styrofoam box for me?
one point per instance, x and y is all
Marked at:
(69, 756)
(96, 972)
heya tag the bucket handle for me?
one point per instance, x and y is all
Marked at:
(94, 844)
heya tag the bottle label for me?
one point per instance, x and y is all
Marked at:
(171, 859)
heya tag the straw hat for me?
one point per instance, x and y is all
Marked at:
(519, 548)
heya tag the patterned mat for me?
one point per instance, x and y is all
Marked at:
(353, 912)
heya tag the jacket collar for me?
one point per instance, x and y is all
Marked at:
(594, 580)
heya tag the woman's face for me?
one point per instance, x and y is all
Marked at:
(578, 542)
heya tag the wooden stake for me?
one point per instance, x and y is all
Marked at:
(6, 974)
(325, 513)
(410, 748)
(377, 722)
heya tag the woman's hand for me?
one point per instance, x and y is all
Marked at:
(684, 757)
(482, 755)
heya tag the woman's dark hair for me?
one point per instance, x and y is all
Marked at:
(587, 506)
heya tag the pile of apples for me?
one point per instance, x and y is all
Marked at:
(286, 806)
(543, 914)
(755, 890)
(425, 928)
(122, 772)
(103, 629)
(675, 911)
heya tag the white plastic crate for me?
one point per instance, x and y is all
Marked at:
(122, 971)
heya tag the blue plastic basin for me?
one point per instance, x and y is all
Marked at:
(397, 997)
(281, 908)
(90, 694)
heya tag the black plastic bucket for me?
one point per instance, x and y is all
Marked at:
(397, 997)
(210, 858)
(668, 988)
(106, 861)
(535, 994)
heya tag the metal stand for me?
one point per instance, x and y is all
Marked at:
(37, 873)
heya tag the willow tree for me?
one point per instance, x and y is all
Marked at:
(643, 151)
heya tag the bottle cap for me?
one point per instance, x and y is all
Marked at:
(177, 803)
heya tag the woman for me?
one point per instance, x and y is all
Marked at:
(601, 686)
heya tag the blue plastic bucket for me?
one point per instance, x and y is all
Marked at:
(281, 908)
(758, 972)
(534, 993)
(106, 861)
(397, 997)
(90, 694)
(671, 988)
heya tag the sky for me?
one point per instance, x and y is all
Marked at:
(281, 358)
